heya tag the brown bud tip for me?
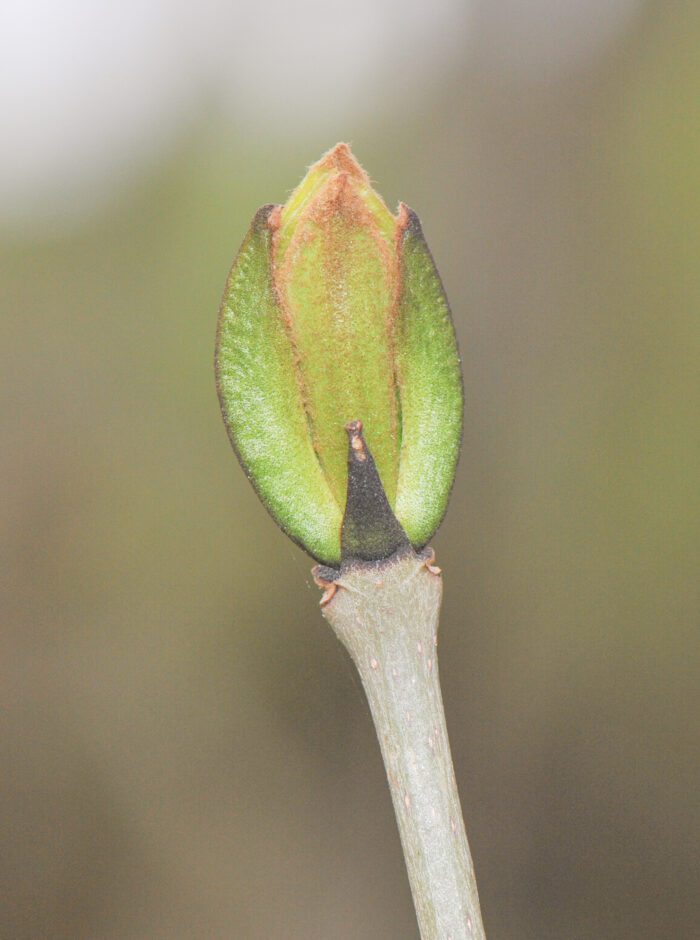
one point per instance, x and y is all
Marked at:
(355, 439)
(340, 158)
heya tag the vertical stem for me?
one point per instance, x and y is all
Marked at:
(386, 615)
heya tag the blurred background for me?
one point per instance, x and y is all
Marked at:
(185, 750)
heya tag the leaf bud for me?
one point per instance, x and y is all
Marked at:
(333, 314)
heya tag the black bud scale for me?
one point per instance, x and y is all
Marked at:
(371, 532)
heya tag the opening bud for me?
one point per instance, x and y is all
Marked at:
(334, 313)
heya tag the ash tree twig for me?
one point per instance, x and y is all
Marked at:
(335, 320)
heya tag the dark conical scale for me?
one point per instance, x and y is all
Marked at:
(371, 532)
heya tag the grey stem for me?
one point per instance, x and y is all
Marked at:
(387, 617)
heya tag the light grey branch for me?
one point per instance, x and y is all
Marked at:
(387, 617)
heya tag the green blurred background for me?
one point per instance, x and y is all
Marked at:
(185, 749)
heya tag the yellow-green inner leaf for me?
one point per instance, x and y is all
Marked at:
(337, 285)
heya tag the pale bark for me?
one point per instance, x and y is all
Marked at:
(386, 614)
